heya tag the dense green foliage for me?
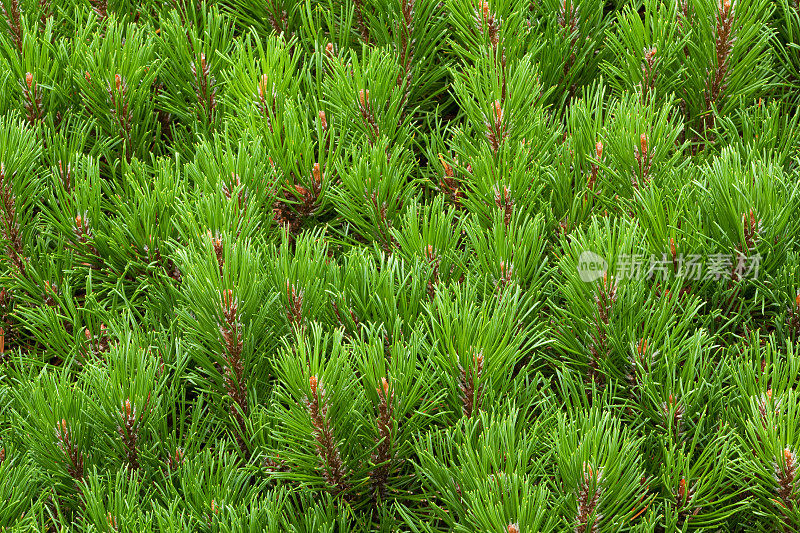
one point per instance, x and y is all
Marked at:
(399, 265)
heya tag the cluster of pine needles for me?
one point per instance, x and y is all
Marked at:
(412, 266)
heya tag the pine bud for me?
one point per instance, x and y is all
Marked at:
(29, 79)
(789, 457)
(498, 112)
(642, 347)
(317, 173)
(484, 7)
(598, 150)
(323, 120)
(448, 170)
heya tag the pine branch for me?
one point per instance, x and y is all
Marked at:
(130, 430)
(75, 458)
(383, 454)
(121, 112)
(32, 100)
(334, 471)
(589, 493)
(368, 115)
(725, 38)
(13, 16)
(496, 127)
(231, 332)
(471, 387)
(10, 229)
(205, 89)
(786, 477)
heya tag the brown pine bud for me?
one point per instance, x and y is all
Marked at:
(317, 173)
(448, 170)
(498, 112)
(484, 7)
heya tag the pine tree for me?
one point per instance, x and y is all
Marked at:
(399, 265)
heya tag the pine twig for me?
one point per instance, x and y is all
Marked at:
(471, 388)
(230, 329)
(333, 467)
(383, 453)
(204, 85)
(10, 229)
(13, 16)
(589, 493)
(723, 45)
(75, 458)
